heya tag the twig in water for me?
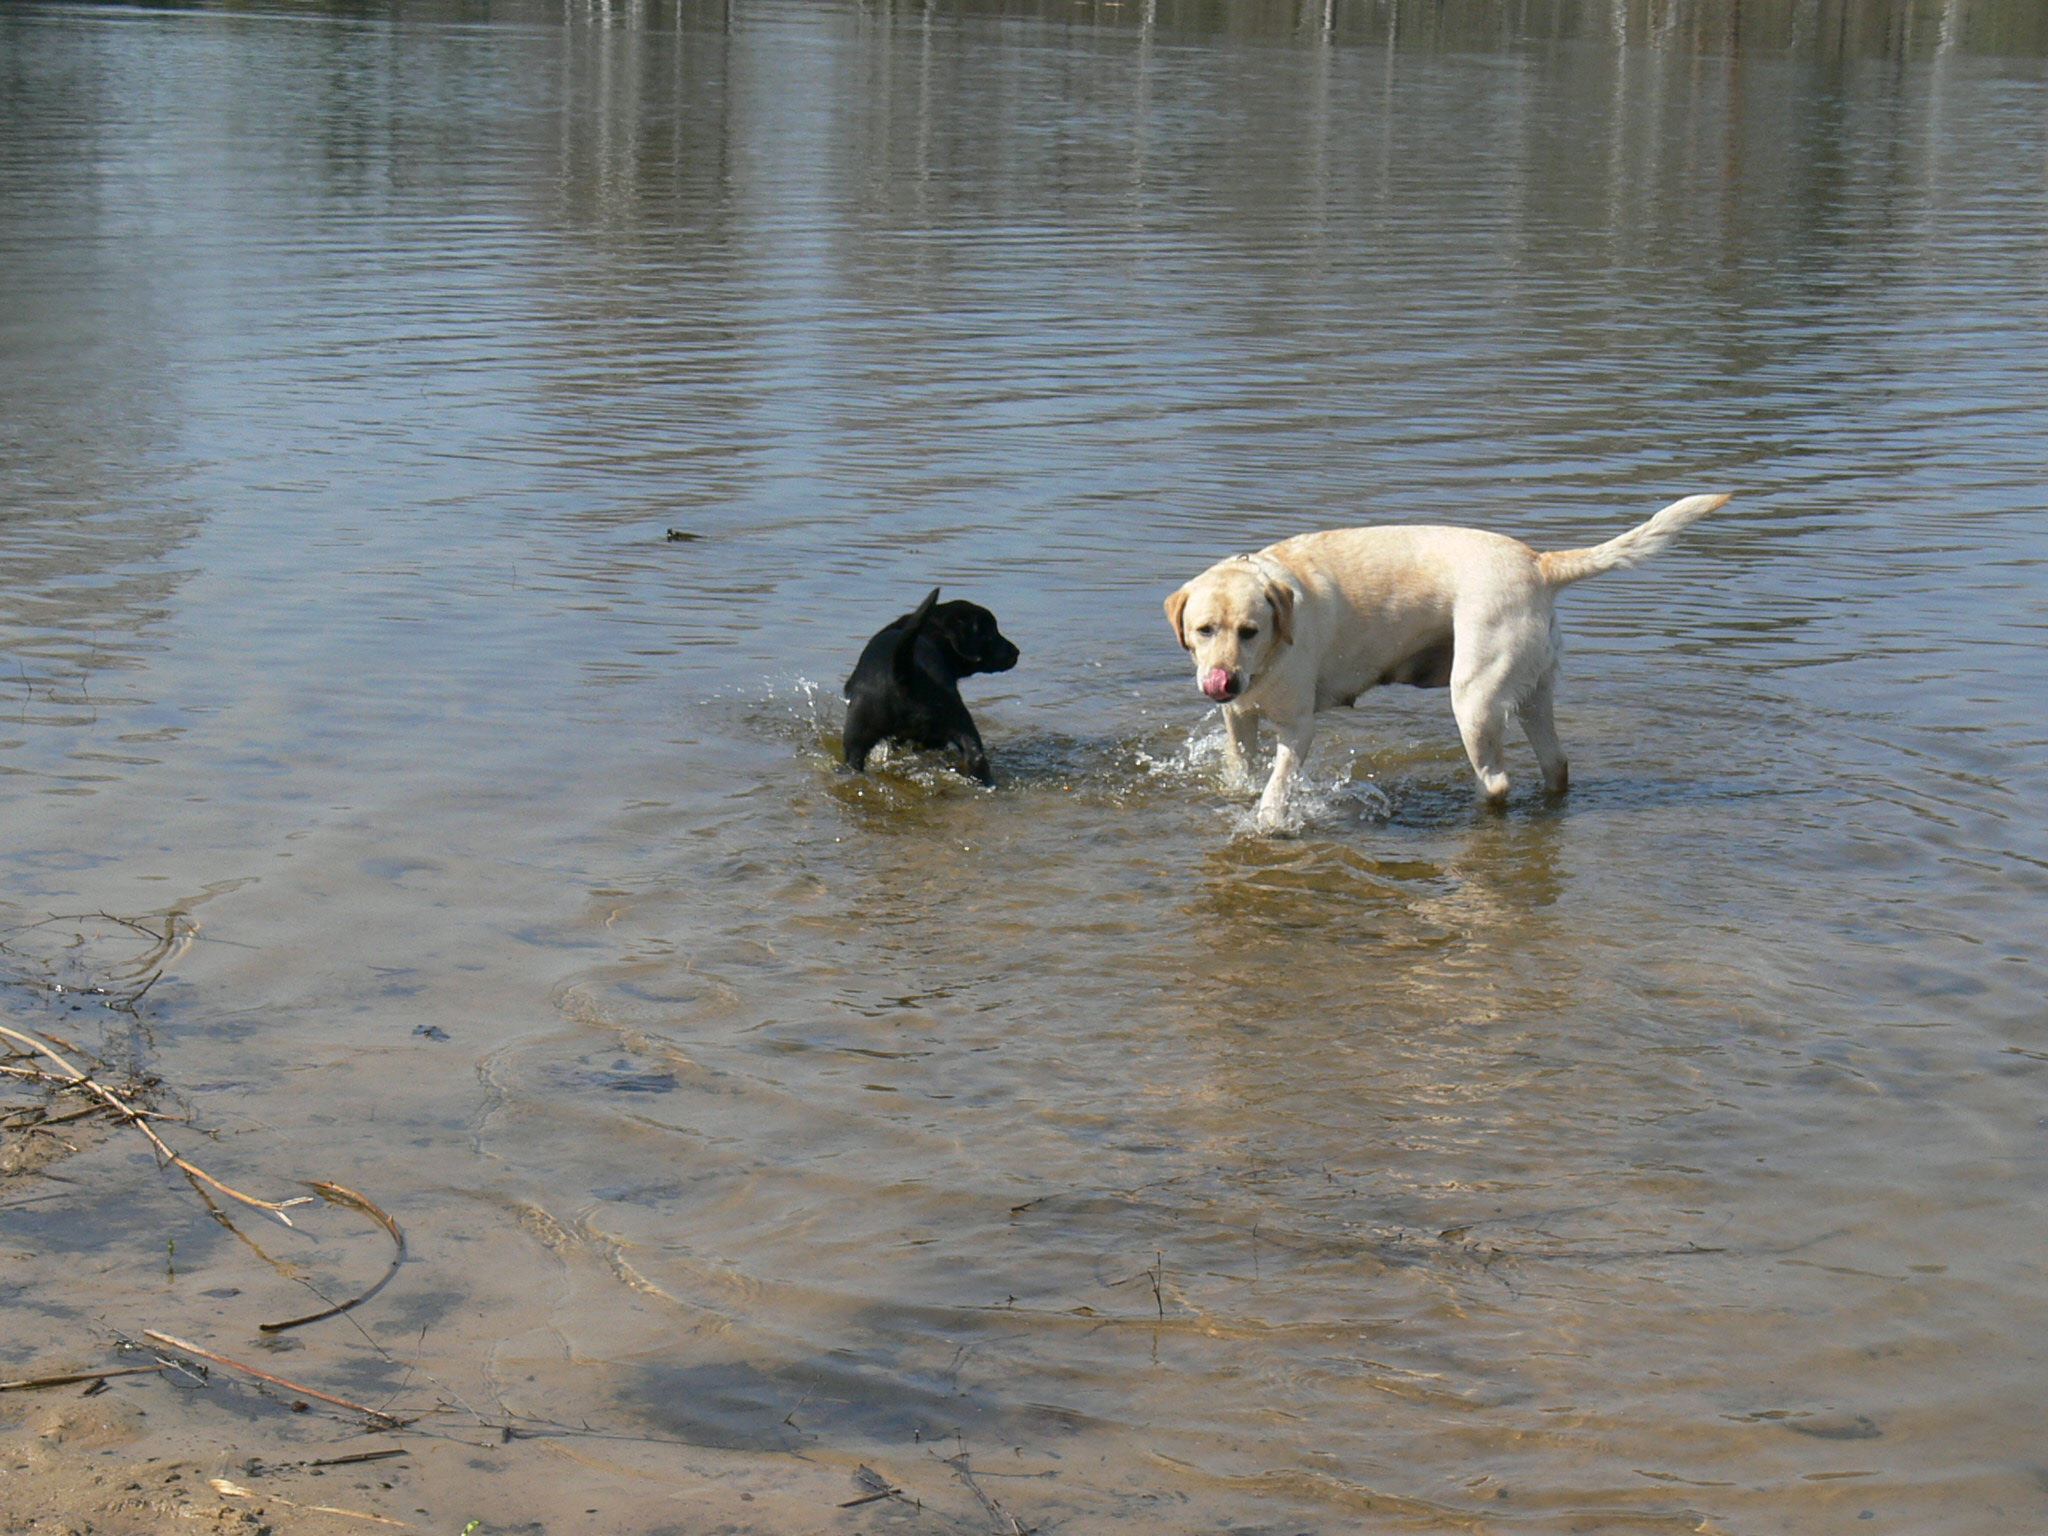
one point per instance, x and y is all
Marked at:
(335, 1194)
(875, 1486)
(1007, 1524)
(133, 1116)
(68, 1117)
(789, 1418)
(349, 1461)
(388, 1420)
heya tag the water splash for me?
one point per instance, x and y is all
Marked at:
(798, 708)
(809, 716)
(1336, 801)
(1338, 798)
(1198, 762)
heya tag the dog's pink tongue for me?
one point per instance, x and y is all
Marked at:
(1216, 684)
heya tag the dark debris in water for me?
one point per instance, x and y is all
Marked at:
(1837, 1427)
(656, 1194)
(622, 1076)
(643, 1082)
(782, 1405)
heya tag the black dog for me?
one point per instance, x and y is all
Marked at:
(906, 686)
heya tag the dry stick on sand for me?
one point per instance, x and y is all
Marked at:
(388, 1420)
(68, 1378)
(133, 1116)
(232, 1490)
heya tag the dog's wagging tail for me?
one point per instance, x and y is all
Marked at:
(1562, 567)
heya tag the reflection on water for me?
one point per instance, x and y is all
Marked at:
(1659, 1159)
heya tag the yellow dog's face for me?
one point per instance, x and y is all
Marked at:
(1235, 620)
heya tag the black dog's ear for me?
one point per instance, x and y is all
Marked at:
(903, 656)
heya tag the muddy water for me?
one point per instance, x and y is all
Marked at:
(1668, 1160)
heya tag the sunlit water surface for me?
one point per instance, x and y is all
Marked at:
(1668, 1159)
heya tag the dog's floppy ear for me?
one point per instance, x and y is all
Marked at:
(1176, 604)
(1281, 596)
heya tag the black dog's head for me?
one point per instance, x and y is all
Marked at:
(968, 632)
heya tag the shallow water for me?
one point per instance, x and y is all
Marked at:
(1669, 1159)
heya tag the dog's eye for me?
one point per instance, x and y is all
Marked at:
(1247, 631)
(1206, 629)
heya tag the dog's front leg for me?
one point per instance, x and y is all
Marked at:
(974, 757)
(1241, 728)
(1295, 739)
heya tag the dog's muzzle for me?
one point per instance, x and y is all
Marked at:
(1220, 684)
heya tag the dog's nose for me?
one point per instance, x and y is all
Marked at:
(1220, 684)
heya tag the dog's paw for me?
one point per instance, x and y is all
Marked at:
(1282, 820)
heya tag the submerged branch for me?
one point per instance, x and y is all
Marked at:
(335, 1194)
(130, 1115)
(388, 1420)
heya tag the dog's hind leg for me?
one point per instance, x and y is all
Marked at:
(1541, 730)
(963, 742)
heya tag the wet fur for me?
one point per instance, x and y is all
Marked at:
(1312, 622)
(906, 685)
